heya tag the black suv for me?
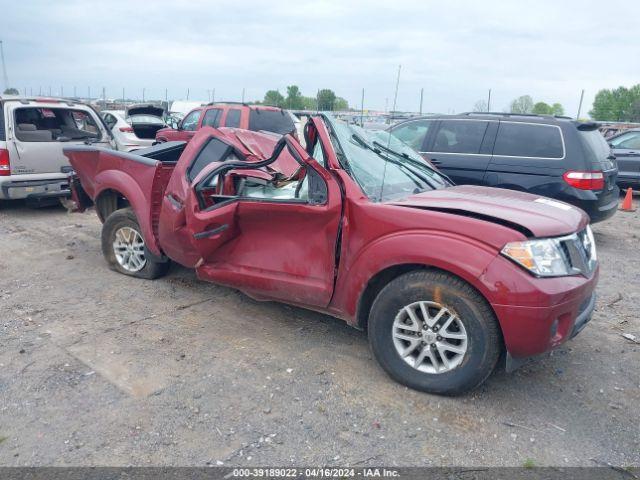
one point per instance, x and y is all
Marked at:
(555, 157)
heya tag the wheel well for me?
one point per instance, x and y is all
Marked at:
(108, 202)
(383, 277)
(377, 283)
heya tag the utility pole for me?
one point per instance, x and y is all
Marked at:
(166, 95)
(395, 96)
(242, 94)
(143, 89)
(187, 94)
(362, 110)
(489, 102)
(49, 90)
(5, 78)
(421, 97)
(580, 105)
(213, 96)
(104, 98)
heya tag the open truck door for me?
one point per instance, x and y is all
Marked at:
(248, 225)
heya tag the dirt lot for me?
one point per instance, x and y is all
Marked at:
(100, 369)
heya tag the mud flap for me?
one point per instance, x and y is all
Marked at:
(80, 201)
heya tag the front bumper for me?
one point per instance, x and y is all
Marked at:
(34, 190)
(584, 317)
(538, 314)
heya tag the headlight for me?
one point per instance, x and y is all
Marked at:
(543, 257)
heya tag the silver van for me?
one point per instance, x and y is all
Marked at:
(33, 132)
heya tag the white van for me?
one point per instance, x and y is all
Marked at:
(33, 132)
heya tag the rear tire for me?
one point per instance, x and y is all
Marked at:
(454, 354)
(123, 247)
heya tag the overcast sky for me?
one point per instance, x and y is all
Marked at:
(455, 50)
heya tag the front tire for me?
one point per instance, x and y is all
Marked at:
(433, 332)
(123, 247)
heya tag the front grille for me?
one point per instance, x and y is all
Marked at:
(580, 251)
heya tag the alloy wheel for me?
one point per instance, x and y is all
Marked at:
(429, 337)
(128, 248)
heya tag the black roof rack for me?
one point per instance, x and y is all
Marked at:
(509, 114)
(230, 102)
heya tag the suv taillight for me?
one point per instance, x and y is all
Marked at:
(584, 180)
(126, 129)
(5, 166)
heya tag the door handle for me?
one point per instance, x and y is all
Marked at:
(210, 233)
(435, 161)
(177, 204)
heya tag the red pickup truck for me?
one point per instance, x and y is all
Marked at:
(443, 278)
(229, 114)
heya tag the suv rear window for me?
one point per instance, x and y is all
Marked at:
(528, 140)
(276, 121)
(460, 136)
(596, 149)
(40, 124)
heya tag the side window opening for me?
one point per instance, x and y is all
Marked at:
(212, 118)
(260, 183)
(110, 120)
(190, 122)
(413, 133)
(460, 136)
(528, 140)
(214, 151)
(233, 118)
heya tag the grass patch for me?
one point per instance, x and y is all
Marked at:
(529, 463)
(2, 438)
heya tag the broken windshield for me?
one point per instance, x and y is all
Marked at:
(384, 167)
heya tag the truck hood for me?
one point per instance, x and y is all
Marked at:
(533, 215)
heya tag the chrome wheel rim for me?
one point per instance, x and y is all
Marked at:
(429, 337)
(128, 247)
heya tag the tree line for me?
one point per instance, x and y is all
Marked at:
(617, 105)
(525, 104)
(325, 100)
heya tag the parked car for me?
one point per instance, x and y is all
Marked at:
(135, 127)
(358, 226)
(551, 156)
(237, 115)
(626, 148)
(33, 132)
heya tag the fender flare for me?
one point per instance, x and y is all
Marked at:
(126, 186)
(412, 248)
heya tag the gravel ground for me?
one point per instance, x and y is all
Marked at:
(100, 369)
